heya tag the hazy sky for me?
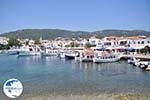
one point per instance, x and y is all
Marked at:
(85, 15)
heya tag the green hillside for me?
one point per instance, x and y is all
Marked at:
(54, 33)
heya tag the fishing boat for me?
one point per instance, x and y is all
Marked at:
(30, 51)
(13, 51)
(105, 57)
(61, 54)
(70, 55)
(141, 64)
(147, 68)
(50, 52)
(133, 60)
(138, 63)
(85, 56)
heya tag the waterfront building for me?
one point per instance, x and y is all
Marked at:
(138, 42)
(122, 44)
(4, 40)
(94, 41)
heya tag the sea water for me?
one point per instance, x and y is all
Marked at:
(54, 75)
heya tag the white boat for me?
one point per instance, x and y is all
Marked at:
(13, 51)
(148, 68)
(141, 64)
(85, 56)
(50, 52)
(30, 51)
(105, 57)
(138, 63)
(133, 60)
(61, 54)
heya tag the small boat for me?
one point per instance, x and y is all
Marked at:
(61, 55)
(138, 63)
(30, 51)
(132, 60)
(142, 64)
(148, 68)
(105, 57)
(50, 52)
(70, 55)
(86, 56)
(13, 51)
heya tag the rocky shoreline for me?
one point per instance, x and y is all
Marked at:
(47, 96)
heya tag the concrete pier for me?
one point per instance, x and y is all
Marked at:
(138, 56)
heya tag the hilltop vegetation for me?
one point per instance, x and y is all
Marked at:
(54, 33)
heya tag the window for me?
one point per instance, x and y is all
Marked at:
(99, 43)
(123, 42)
(107, 43)
(129, 42)
(142, 42)
(138, 42)
(30, 49)
(148, 41)
(93, 42)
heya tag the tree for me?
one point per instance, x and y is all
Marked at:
(73, 44)
(88, 45)
(37, 42)
(145, 50)
(3, 47)
(13, 42)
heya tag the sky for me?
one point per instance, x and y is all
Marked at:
(83, 15)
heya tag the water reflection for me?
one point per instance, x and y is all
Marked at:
(52, 73)
(29, 59)
(105, 69)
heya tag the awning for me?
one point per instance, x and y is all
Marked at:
(130, 49)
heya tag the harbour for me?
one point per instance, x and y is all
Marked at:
(105, 70)
(55, 77)
(74, 50)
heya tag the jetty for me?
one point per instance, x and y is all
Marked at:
(138, 56)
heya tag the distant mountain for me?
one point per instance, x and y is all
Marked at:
(122, 33)
(54, 33)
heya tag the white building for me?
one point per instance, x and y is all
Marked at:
(138, 42)
(83, 42)
(95, 41)
(4, 40)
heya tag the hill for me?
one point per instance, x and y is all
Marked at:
(54, 33)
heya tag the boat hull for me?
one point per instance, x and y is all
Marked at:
(96, 60)
(69, 57)
(49, 54)
(29, 54)
(84, 59)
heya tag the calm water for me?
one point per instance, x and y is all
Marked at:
(51, 74)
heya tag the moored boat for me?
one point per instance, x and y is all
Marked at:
(86, 56)
(50, 52)
(70, 55)
(61, 54)
(105, 57)
(132, 60)
(30, 51)
(141, 64)
(13, 51)
(148, 68)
